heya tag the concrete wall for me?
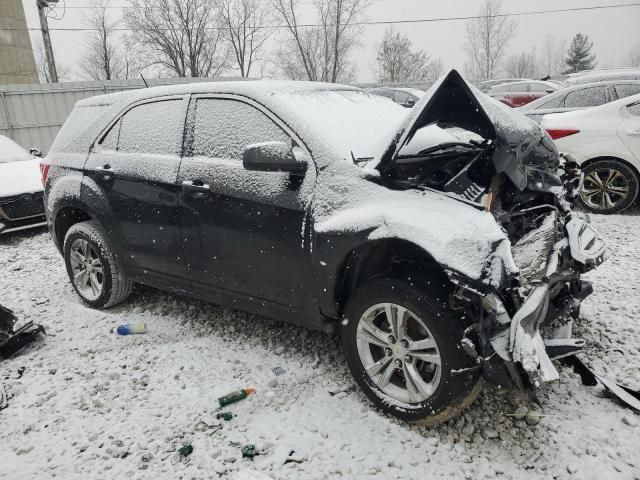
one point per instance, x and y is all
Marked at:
(17, 64)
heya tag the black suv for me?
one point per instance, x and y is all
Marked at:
(439, 241)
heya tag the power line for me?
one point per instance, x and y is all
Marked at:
(378, 22)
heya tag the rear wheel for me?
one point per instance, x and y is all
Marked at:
(402, 344)
(93, 268)
(609, 186)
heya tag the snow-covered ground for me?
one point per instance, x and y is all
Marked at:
(86, 403)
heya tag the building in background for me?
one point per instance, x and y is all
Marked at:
(17, 63)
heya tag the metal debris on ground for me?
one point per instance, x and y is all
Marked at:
(185, 451)
(626, 395)
(236, 396)
(277, 371)
(224, 416)
(12, 342)
(249, 451)
(4, 402)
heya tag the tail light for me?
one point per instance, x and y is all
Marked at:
(44, 173)
(556, 133)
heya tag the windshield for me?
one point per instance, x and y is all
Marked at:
(10, 151)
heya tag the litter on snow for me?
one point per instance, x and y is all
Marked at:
(236, 396)
(131, 328)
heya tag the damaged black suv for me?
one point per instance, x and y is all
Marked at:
(440, 242)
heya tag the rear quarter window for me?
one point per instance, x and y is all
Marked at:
(627, 89)
(81, 128)
(586, 97)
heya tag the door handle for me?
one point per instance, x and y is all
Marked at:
(634, 132)
(104, 168)
(195, 186)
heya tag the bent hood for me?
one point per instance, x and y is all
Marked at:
(518, 142)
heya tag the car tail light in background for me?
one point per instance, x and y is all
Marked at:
(44, 172)
(556, 133)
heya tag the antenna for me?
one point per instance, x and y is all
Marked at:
(145, 82)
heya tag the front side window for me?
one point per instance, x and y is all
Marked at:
(224, 128)
(553, 102)
(587, 97)
(539, 87)
(152, 128)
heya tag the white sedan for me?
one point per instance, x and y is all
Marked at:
(605, 140)
(21, 203)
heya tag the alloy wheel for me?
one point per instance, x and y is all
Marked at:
(398, 353)
(604, 188)
(87, 269)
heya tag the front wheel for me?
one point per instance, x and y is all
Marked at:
(609, 186)
(402, 344)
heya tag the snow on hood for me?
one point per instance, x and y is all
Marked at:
(457, 235)
(20, 177)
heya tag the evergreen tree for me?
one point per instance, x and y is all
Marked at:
(579, 55)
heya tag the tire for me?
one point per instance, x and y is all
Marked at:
(610, 186)
(452, 392)
(114, 287)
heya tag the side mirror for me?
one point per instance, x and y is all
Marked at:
(549, 90)
(273, 157)
(35, 152)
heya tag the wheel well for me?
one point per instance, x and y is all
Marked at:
(66, 218)
(389, 257)
(596, 159)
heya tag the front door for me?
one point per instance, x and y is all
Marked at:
(629, 128)
(250, 228)
(135, 165)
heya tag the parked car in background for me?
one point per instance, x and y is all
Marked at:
(580, 97)
(325, 206)
(21, 204)
(591, 76)
(487, 85)
(605, 140)
(407, 97)
(516, 94)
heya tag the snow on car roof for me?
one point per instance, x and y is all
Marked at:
(335, 120)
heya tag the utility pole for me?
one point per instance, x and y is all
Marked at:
(44, 26)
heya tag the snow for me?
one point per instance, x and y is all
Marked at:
(20, 177)
(10, 151)
(91, 404)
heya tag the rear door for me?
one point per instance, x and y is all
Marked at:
(135, 164)
(251, 228)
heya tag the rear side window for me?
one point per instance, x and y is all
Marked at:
(587, 97)
(553, 102)
(224, 128)
(151, 128)
(627, 89)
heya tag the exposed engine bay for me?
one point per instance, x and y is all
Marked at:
(468, 147)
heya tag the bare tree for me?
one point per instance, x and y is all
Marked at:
(552, 59)
(436, 69)
(396, 61)
(522, 65)
(245, 23)
(43, 67)
(319, 53)
(633, 60)
(487, 38)
(179, 35)
(103, 59)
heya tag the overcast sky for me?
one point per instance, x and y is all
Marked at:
(613, 31)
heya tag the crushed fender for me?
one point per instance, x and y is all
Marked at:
(626, 395)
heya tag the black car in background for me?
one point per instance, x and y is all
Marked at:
(407, 97)
(438, 247)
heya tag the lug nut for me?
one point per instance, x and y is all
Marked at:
(388, 352)
(405, 343)
(398, 363)
(408, 359)
(392, 339)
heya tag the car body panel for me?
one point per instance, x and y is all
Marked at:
(599, 132)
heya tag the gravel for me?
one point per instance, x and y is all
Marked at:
(89, 403)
